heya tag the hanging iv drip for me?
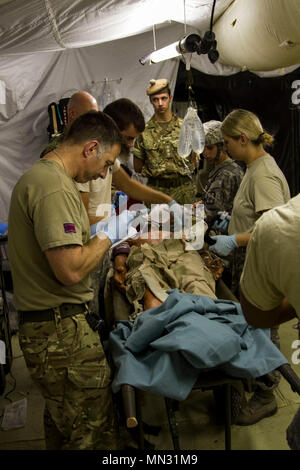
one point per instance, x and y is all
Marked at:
(191, 137)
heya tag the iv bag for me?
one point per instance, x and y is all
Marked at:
(192, 135)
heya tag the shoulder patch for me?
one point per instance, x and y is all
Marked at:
(69, 228)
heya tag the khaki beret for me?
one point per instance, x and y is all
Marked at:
(155, 86)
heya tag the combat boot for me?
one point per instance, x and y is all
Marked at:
(261, 405)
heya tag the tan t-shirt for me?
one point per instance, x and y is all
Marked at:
(100, 193)
(263, 187)
(46, 211)
(271, 270)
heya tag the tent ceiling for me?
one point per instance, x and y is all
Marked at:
(50, 25)
(256, 35)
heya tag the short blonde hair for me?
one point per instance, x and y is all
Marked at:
(242, 121)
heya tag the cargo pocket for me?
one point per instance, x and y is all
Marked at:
(90, 376)
(35, 355)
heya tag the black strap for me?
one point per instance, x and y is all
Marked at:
(66, 310)
(168, 182)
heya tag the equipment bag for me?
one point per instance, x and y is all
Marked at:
(58, 117)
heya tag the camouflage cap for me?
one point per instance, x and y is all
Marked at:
(155, 86)
(213, 134)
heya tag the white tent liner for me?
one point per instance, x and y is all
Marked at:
(259, 34)
(51, 25)
(55, 75)
(255, 34)
(52, 48)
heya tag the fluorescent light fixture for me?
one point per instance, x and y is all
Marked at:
(187, 44)
(168, 52)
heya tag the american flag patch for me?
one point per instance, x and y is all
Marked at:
(69, 228)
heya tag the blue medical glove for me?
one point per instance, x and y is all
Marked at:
(3, 228)
(224, 244)
(116, 227)
(221, 224)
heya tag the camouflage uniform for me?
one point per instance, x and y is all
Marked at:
(221, 187)
(66, 360)
(163, 166)
(224, 178)
(158, 268)
(166, 266)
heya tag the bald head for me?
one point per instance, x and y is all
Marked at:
(80, 103)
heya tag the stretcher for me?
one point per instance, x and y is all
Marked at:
(225, 387)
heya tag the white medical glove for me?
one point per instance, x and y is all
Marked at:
(116, 227)
(178, 214)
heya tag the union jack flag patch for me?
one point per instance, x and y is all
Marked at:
(69, 228)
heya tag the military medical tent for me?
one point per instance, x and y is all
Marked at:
(52, 48)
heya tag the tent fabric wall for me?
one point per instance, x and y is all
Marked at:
(24, 117)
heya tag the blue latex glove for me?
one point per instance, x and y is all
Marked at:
(224, 244)
(178, 213)
(116, 227)
(221, 224)
(3, 228)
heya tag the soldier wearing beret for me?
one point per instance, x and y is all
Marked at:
(155, 151)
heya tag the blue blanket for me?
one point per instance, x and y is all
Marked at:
(167, 347)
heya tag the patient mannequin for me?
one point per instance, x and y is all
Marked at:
(187, 261)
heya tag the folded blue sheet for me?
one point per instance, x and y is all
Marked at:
(167, 347)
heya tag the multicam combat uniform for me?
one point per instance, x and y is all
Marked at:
(166, 266)
(165, 169)
(221, 187)
(63, 354)
(159, 268)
